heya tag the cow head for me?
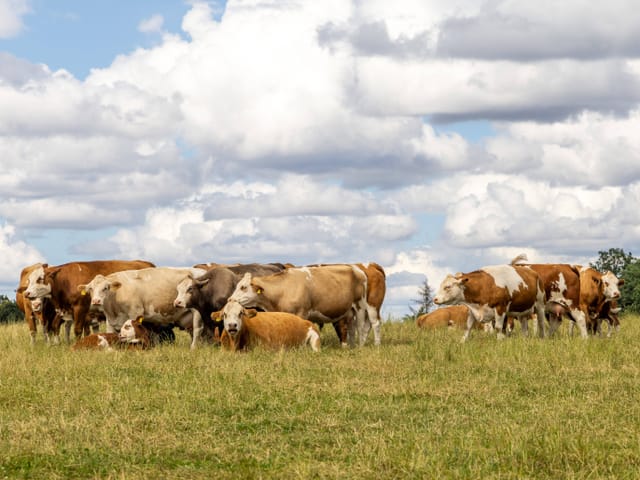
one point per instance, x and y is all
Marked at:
(246, 293)
(233, 314)
(186, 289)
(610, 286)
(131, 331)
(37, 285)
(451, 290)
(99, 289)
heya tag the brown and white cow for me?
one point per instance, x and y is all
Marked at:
(496, 291)
(246, 328)
(562, 291)
(209, 292)
(59, 283)
(597, 289)
(40, 311)
(138, 333)
(97, 341)
(323, 294)
(148, 293)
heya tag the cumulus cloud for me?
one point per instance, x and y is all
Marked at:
(310, 132)
(11, 13)
(16, 254)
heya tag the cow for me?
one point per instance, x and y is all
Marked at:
(246, 328)
(147, 293)
(39, 311)
(376, 290)
(609, 313)
(562, 291)
(137, 332)
(59, 283)
(323, 294)
(597, 289)
(97, 341)
(494, 292)
(209, 292)
(452, 316)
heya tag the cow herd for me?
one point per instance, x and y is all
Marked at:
(281, 306)
(521, 290)
(237, 306)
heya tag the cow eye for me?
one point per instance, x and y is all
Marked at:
(190, 289)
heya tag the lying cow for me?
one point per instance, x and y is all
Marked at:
(453, 316)
(493, 292)
(147, 293)
(136, 332)
(247, 328)
(97, 341)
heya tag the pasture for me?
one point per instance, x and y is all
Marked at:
(422, 405)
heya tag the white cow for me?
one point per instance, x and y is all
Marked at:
(146, 293)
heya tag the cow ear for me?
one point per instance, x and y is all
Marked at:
(139, 318)
(201, 283)
(620, 281)
(54, 272)
(115, 285)
(464, 280)
(250, 312)
(215, 316)
(82, 289)
(20, 289)
(259, 290)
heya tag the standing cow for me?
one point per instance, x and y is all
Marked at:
(148, 293)
(60, 284)
(596, 290)
(500, 290)
(39, 311)
(323, 294)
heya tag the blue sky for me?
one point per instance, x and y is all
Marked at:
(430, 137)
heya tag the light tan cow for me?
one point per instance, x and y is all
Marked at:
(493, 292)
(147, 293)
(247, 328)
(452, 316)
(323, 294)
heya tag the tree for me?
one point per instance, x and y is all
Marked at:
(614, 260)
(630, 290)
(9, 311)
(424, 303)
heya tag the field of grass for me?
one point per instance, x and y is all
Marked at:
(420, 406)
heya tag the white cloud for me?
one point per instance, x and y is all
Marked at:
(11, 13)
(15, 254)
(153, 24)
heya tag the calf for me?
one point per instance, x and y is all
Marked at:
(97, 341)
(453, 316)
(246, 328)
(135, 332)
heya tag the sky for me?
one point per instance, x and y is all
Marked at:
(429, 136)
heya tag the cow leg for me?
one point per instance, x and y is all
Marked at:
(499, 318)
(375, 323)
(80, 326)
(344, 333)
(524, 325)
(198, 327)
(364, 325)
(67, 330)
(55, 327)
(470, 321)
(554, 323)
(580, 318)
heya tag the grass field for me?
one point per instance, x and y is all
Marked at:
(420, 406)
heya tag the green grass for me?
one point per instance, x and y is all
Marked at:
(420, 406)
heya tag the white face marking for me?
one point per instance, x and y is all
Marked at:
(185, 288)
(98, 288)
(450, 291)
(505, 276)
(232, 317)
(36, 288)
(128, 332)
(244, 293)
(611, 289)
